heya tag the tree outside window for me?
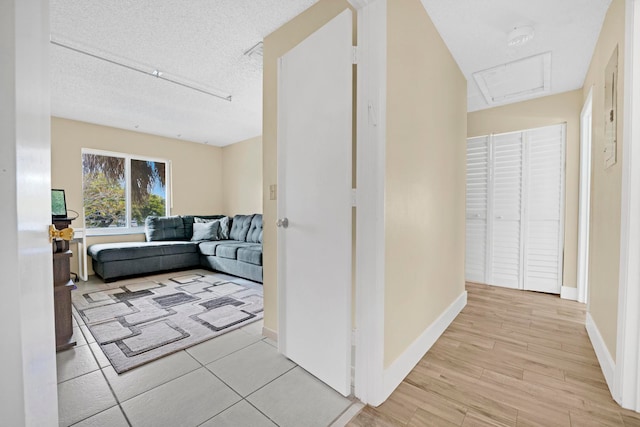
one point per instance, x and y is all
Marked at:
(120, 191)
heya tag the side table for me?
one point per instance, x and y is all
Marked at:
(62, 286)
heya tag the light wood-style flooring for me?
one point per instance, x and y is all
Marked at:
(511, 358)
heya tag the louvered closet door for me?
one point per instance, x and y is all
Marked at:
(505, 260)
(477, 196)
(545, 194)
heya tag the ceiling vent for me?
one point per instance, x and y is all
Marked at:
(255, 50)
(517, 80)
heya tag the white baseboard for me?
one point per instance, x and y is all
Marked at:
(607, 364)
(401, 367)
(567, 292)
(269, 333)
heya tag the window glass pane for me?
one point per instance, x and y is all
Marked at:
(103, 185)
(148, 190)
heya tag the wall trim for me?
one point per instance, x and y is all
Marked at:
(401, 367)
(607, 364)
(567, 292)
(269, 333)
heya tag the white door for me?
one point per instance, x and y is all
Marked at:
(314, 179)
(476, 208)
(506, 211)
(28, 369)
(544, 209)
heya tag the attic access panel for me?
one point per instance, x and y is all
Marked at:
(517, 80)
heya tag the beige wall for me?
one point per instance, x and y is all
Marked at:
(425, 177)
(549, 110)
(275, 45)
(196, 168)
(606, 184)
(242, 177)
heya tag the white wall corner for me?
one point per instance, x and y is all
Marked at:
(401, 367)
(607, 364)
(567, 292)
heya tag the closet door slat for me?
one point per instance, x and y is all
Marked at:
(476, 203)
(545, 213)
(505, 239)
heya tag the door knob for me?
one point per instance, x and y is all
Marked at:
(283, 222)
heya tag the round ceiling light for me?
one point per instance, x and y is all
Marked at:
(520, 35)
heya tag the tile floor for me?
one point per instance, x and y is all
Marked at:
(238, 379)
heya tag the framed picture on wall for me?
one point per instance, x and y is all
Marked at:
(611, 110)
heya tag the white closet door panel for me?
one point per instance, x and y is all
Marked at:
(476, 205)
(475, 251)
(545, 193)
(506, 213)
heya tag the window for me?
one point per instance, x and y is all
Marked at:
(120, 191)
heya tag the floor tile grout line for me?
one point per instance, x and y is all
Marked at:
(253, 392)
(239, 401)
(279, 376)
(230, 388)
(98, 413)
(242, 398)
(224, 382)
(258, 409)
(226, 355)
(107, 382)
(152, 388)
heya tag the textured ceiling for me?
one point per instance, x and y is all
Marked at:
(202, 43)
(476, 33)
(199, 42)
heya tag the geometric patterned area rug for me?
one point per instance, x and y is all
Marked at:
(144, 321)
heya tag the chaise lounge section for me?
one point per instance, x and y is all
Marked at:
(216, 242)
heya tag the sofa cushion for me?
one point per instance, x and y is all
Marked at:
(206, 231)
(230, 250)
(254, 235)
(223, 231)
(251, 254)
(240, 227)
(209, 248)
(190, 219)
(105, 252)
(161, 228)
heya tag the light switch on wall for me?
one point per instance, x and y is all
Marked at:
(273, 191)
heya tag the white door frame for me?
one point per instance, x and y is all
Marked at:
(626, 390)
(584, 209)
(370, 170)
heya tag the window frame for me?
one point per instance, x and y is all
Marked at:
(128, 229)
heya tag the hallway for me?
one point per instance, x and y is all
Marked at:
(511, 358)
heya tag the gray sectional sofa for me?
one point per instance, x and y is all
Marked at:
(229, 245)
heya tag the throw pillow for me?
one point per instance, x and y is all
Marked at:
(164, 228)
(224, 228)
(205, 231)
(223, 233)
